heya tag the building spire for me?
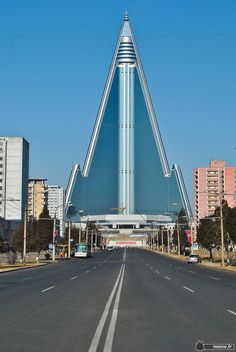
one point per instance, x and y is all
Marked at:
(126, 18)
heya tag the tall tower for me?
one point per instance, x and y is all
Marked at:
(126, 166)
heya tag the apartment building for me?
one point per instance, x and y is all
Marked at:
(37, 196)
(56, 202)
(210, 185)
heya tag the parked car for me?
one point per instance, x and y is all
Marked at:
(194, 258)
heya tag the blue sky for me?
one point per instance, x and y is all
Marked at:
(55, 56)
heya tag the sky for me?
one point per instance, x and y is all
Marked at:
(54, 60)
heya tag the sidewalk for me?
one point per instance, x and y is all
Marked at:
(205, 262)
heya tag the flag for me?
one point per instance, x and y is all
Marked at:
(54, 234)
(188, 236)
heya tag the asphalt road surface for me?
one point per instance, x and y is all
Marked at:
(120, 301)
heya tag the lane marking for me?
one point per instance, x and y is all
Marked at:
(86, 272)
(97, 335)
(168, 278)
(187, 288)
(49, 288)
(124, 255)
(157, 271)
(111, 329)
(147, 264)
(192, 272)
(150, 267)
(231, 311)
(214, 278)
(74, 277)
(170, 264)
(94, 267)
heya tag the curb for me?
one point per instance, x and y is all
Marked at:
(6, 270)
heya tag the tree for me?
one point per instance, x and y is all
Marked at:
(182, 224)
(18, 238)
(44, 230)
(74, 234)
(209, 230)
(208, 235)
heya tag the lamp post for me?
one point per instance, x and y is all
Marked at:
(168, 240)
(25, 234)
(25, 226)
(69, 204)
(162, 246)
(69, 237)
(178, 237)
(222, 231)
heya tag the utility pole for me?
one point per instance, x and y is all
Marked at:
(92, 240)
(168, 241)
(69, 236)
(96, 239)
(178, 237)
(25, 234)
(162, 246)
(222, 231)
(53, 238)
(80, 235)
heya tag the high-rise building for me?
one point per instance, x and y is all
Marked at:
(210, 185)
(14, 173)
(126, 180)
(56, 200)
(37, 196)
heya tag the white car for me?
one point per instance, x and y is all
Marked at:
(194, 258)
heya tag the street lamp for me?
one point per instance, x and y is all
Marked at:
(69, 204)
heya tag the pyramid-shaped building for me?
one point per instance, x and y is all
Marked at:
(126, 180)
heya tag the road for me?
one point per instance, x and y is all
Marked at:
(120, 301)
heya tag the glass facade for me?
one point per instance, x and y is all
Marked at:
(125, 167)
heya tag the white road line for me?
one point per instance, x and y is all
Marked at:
(214, 278)
(192, 272)
(94, 267)
(187, 288)
(97, 335)
(49, 288)
(168, 278)
(124, 256)
(86, 272)
(170, 264)
(111, 329)
(147, 264)
(74, 277)
(157, 271)
(150, 267)
(231, 311)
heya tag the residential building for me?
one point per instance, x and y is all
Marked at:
(37, 196)
(126, 180)
(210, 185)
(14, 173)
(56, 201)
